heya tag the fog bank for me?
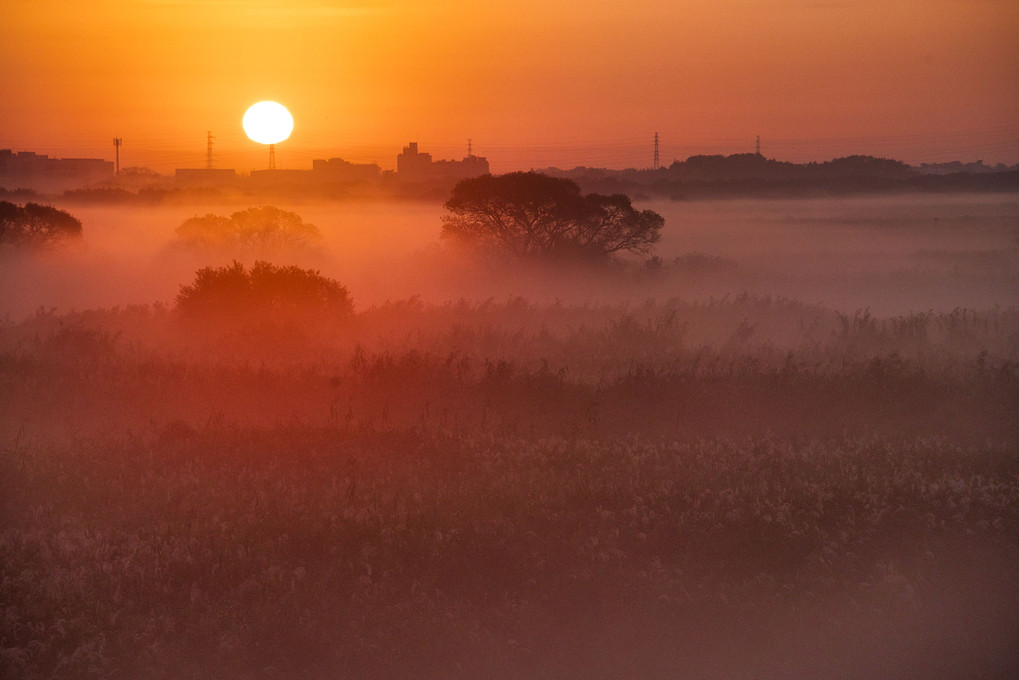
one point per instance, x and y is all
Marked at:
(892, 255)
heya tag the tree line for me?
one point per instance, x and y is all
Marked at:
(523, 215)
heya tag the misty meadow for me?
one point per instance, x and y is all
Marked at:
(775, 439)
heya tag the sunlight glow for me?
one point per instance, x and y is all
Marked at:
(268, 122)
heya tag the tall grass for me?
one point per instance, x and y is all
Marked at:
(742, 488)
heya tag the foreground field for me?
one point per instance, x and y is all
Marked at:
(746, 488)
(319, 552)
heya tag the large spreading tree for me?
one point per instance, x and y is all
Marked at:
(531, 214)
(35, 225)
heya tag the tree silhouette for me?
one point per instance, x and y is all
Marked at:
(260, 231)
(531, 214)
(36, 225)
(265, 292)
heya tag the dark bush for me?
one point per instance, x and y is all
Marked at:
(35, 225)
(265, 292)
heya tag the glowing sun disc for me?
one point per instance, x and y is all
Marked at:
(268, 122)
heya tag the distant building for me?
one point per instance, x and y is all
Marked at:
(470, 166)
(334, 175)
(339, 171)
(414, 166)
(30, 170)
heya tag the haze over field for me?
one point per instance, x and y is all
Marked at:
(784, 446)
(891, 255)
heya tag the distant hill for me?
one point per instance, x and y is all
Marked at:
(749, 174)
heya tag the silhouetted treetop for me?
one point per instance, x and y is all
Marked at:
(261, 230)
(35, 225)
(528, 213)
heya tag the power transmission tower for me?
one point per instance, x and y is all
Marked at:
(117, 141)
(469, 154)
(656, 165)
(208, 150)
(758, 145)
(272, 156)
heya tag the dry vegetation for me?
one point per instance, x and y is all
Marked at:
(749, 487)
(739, 487)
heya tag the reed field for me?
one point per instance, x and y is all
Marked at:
(748, 458)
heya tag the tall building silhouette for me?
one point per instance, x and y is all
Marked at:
(414, 166)
(39, 172)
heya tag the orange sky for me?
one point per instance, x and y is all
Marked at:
(532, 82)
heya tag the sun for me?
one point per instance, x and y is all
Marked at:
(268, 122)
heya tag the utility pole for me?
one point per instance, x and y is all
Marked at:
(117, 141)
(208, 150)
(656, 165)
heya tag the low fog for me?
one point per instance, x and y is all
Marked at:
(782, 447)
(890, 255)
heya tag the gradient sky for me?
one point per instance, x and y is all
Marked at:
(532, 82)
